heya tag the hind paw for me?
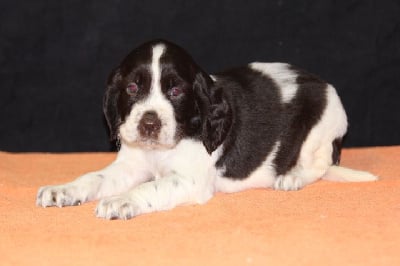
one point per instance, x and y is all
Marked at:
(288, 182)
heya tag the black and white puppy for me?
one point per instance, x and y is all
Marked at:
(185, 135)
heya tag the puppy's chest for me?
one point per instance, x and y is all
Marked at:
(188, 158)
(160, 164)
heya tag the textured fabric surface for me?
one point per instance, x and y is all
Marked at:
(325, 223)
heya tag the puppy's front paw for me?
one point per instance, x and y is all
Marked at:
(118, 207)
(60, 196)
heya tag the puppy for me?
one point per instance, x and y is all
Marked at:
(185, 134)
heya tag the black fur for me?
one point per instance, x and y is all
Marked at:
(216, 113)
(336, 153)
(299, 117)
(178, 69)
(241, 110)
(253, 103)
(247, 115)
(117, 102)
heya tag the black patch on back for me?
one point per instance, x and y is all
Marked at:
(298, 118)
(254, 99)
(259, 120)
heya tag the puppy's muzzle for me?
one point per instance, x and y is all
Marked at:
(149, 125)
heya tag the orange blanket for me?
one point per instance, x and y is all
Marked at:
(325, 223)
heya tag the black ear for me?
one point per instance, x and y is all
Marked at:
(110, 106)
(215, 111)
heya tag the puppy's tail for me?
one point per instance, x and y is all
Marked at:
(343, 174)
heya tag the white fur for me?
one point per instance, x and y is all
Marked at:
(281, 75)
(262, 177)
(113, 179)
(342, 174)
(157, 102)
(315, 160)
(316, 152)
(174, 182)
(143, 180)
(140, 181)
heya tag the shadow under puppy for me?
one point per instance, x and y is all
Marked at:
(185, 134)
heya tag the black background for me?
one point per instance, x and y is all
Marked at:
(55, 57)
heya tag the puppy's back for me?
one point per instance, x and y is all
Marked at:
(272, 104)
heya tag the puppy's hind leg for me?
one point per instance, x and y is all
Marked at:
(310, 167)
(288, 182)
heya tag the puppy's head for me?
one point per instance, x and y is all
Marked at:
(149, 101)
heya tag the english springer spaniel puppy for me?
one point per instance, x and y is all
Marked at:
(185, 135)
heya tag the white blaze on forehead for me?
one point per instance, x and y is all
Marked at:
(158, 50)
(154, 102)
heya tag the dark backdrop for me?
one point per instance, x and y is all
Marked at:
(56, 55)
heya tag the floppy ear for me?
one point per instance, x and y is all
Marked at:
(110, 102)
(215, 111)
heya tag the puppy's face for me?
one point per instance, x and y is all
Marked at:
(149, 101)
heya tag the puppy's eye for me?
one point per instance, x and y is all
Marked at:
(132, 88)
(175, 91)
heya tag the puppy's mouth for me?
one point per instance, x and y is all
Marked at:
(152, 144)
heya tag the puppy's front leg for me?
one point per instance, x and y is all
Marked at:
(118, 177)
(158, 195)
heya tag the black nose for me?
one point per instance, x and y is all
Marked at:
(149, 125)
